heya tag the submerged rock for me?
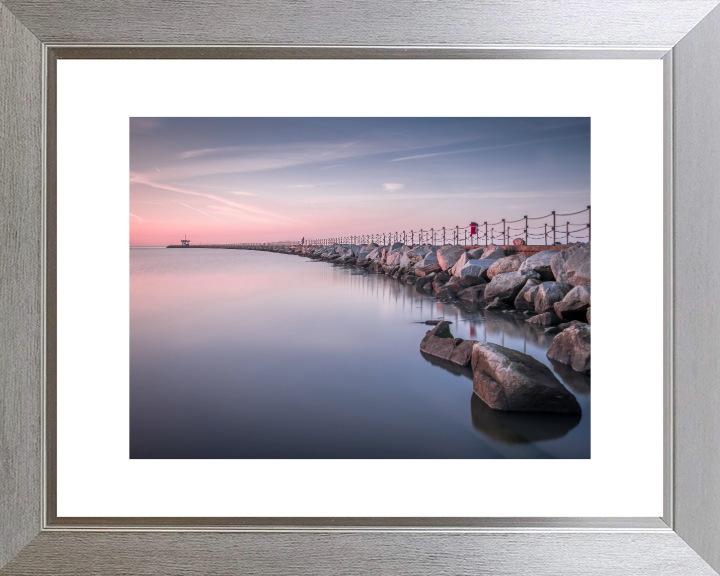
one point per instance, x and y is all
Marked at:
(509, 380)
(440, 342)
(572, 347)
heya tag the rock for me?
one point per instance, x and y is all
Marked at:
(449, 255)
(578, 266)
(405, 261)
(544, 319)
(519, 242)
(387, 269)
(509, 380)
(374, 254)
(460, 263)
(422, 280)
(440, 342)
(588, 315)
(477, 268)
(520, 302)
(493, 252)
(411, 279)
(572, 347)
(442, 276)
(473, 294)
(548, 293)
(436, 322)
(459, 283)
(429, 269)
(430, 258)
(495, 305)
(375, 267)
(575, 304)
(428, 287)
(540, 263)
(418, 251)
(394, 259)
(557, 263)
(507, 286)
(475, 254)
(445, 292)
(396, 246)
(505, 265)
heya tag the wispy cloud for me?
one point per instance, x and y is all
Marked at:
(196, 210)
(391, 187)
(239, 193)
(497, 147)
(136, 216)
(333, 166)
(302, 186)
(209, 151)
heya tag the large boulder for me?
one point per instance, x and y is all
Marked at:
(396, 246)
(588, 315)
(507, 264)
(405, 261)
(475, 253)
(449, 255)
(493, 252)
(507, 286)
(473, 294)
(557, 263)
(545, 319)
(374, 255)
(575, 304)
(461, 282)
(475, 268)
(393, 259)
(445, 292)
(430, 258)
(521, 303)
(540, 263)
(510, 380)
(418, 251)
(440, 342)
(427, 269)
(548, 293)
(578, 266)
(572, 347)
(464, 258)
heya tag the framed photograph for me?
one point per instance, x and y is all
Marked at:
(352, 331)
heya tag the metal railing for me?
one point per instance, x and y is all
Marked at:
(551, 231)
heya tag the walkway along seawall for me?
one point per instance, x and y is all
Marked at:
(550, 285)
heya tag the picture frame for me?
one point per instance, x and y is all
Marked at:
(685, 34)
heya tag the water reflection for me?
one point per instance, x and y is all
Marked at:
(519, 427)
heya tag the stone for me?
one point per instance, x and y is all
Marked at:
(475, 253)
(544, 319)
(440, 342)
(509, 380)
(496, 305)
(460, 263)
(445, 292)
(430, 258)
(575, 304)
(436, 322)
(396, 246)
(461, 282)
(405, 261)
(520, 302)
(429, 269)
(505, 265)
(428, 287)
(422, 280)
(375, 267)
(493, 252)
(449, 255)
(473, 294)
(475, 268)
(540, 263)
(588, 315)
(557, 263)
(418, 251)
(374, 254)
(507, 286)
(578, 266)
(548, 294)
(519, 242)
(394, 259)
(411, 279)
(572, 347)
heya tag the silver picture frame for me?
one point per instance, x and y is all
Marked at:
(685, 34)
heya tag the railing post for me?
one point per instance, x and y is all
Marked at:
(588, 223)
(554, 240)
(443, 235)
(457, 235)
(503, 220)
(492, 236)
(545, 233)
(432, 236)
(486, 236)
(526, 232)
(567, 233)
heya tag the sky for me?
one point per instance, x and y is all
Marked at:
(231, 180)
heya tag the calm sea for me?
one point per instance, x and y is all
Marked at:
(243, 354)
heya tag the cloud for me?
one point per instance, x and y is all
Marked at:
(196, 210)
(390, 187)
(333, 166)
(238, 193)
(302, 186)
(208, 151)
(485, 148)
(134, 216)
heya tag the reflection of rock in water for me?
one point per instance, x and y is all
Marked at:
(575, 381)
(449, 366)
(519, 427)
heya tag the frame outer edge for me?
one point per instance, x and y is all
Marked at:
(696, 110)
(20, 284)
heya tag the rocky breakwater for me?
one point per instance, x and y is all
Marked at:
(551, 288)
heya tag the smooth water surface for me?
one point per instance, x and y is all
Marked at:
(248, 354)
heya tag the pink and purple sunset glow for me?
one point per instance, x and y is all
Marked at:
(232, 180)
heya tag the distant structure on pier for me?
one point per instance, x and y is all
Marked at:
(185, 243)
